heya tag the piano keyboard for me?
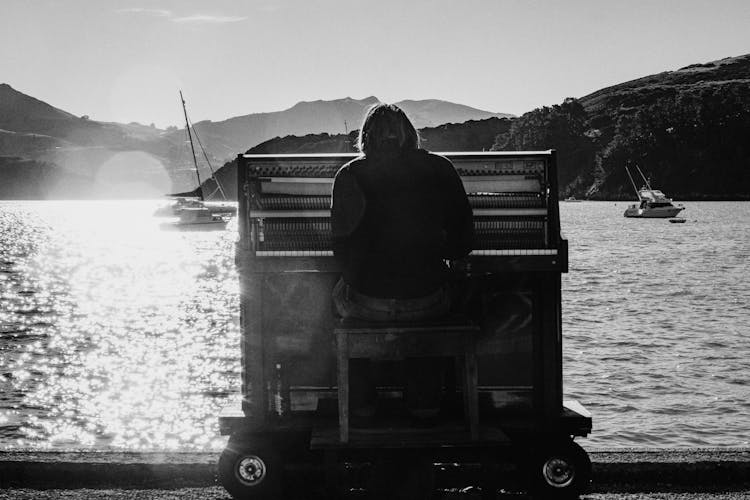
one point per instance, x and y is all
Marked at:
(329, 253)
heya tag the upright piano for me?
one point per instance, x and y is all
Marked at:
(510, 283)
(509, 286)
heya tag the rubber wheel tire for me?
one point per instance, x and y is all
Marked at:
(251, 470)
(560, 470)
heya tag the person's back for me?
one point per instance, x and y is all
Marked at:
(398, 213)
(415, 217)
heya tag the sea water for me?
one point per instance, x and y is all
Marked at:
(118, 333)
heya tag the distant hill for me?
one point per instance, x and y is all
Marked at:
(25, 115)
(126, 160)
(226, 138)
(22, 113)
(686, 129)
(24, 179)
(64, 155)
(430, 113)
(473, 135)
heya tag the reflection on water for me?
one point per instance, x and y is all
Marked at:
(114, 332)
(117, 334)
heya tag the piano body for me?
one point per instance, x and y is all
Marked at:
(510, 286)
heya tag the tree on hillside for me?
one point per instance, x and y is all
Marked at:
(563, 127)
(690, 144)
(473, 135)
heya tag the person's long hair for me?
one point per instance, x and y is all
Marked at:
(385, 131)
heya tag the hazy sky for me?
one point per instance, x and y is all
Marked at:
(125, 60)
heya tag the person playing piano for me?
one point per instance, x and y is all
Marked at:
(398, 214)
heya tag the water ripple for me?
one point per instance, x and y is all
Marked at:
(114, 334)
(673, 328)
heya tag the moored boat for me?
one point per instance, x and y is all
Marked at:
(198, 218)
(190, 207)
(179, 203)
(182, 202)
(653, 203)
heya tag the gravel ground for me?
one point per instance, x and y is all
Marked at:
(696, 474)
(216, 493)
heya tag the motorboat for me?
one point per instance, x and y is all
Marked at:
(653, 204)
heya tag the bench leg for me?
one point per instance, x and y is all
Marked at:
(342, 350)
(471, 397)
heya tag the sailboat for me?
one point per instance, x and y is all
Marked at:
(190, 208)
(653, 203)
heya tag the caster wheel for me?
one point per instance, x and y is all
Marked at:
(560, 470)
(250, 470)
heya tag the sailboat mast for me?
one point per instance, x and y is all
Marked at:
(637, 193)
(192, 148)
(208, 162)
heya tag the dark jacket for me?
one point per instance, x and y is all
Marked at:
(395, 221)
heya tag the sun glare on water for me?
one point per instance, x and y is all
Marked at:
(139, 348)
(116, 334)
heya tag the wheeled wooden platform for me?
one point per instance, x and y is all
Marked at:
(398, 432)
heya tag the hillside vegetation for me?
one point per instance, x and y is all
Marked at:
(473, 135)
(687, 130)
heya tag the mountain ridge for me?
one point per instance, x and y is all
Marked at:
(31, 129)
(686, 128)
(226, 137)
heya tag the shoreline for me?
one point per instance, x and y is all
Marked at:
(693, 469)
(676, 199)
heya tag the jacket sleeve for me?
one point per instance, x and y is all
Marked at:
(459, 225)
(347, 210)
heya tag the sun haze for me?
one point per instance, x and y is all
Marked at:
(125, 61)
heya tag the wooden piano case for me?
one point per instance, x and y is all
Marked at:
(509, 286)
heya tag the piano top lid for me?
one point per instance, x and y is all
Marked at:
(450, 154)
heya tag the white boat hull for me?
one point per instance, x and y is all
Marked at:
(198, 218)
(194, 226)
(174, 209)
(653, 213)
(201, 223)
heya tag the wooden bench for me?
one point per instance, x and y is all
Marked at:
(393, 341)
